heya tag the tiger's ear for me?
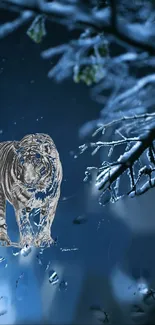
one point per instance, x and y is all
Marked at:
(16, 145)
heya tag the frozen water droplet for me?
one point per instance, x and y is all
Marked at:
(26, 250)
(3, 262)
(63, 285)
(53, 277)
(3, 305)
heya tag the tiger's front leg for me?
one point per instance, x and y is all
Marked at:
(43, 238)
(4, 238)
(25, 228)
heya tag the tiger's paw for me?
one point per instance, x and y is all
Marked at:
(4, 239)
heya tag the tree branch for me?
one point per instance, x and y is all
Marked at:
(9, 27)
(125, 161)
(82, 17)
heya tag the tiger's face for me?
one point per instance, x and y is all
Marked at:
(38, 157)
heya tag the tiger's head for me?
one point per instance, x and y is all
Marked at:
(39, 164)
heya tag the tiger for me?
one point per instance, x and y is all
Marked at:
(30, 178)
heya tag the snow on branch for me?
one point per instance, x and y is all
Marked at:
(77, 15)
(9, 27)
(139, 151)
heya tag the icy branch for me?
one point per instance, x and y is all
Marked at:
(78, 15)
(143, 189)
(138, 155)
(111, 173)
(139, 85)
(9, 27)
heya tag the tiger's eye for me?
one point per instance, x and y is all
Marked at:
(28, 209)
(46, 149)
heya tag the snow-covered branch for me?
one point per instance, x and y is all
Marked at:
(137, 159)
(9, 27)
(125, 161)
(76, 14)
